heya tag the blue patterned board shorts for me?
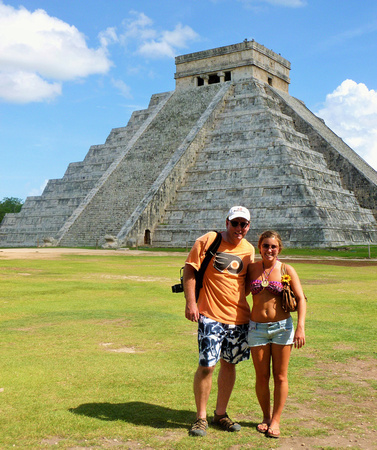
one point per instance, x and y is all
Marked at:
(281, 333)
(220, 340)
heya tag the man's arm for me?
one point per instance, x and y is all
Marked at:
(189, 283)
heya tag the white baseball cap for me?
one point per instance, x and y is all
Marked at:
(238, 211)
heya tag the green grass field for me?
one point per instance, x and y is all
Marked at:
(96, 353)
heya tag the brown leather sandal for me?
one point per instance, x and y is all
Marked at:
(272, 433)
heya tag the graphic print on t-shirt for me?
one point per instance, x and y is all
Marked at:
(225, 261)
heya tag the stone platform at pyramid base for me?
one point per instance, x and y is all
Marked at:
(309, 237)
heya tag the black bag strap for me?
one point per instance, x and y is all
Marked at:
(209, 254)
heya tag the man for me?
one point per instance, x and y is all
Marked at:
(222, 313)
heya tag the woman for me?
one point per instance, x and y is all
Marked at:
(271, 332)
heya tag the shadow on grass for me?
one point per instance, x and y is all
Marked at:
(138, 413)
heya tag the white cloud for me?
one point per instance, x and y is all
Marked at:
(288, 3)
(154, 49)
(346, 36)
(107, 37)
(38, 53)
(44, 51)
(38, 191)
(26, 87)
(284, 3)
(152, 43)
(140, 27)
(351, 112)
(179, 36)
(122, 87)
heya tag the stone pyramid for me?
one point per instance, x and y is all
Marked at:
(229, 134)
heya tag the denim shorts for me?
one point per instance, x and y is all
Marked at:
(220, 340)
(281, 333)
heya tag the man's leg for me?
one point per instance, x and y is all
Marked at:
(202, 389)
(234, 349)
(225, 383)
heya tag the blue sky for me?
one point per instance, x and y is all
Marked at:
(71, 70)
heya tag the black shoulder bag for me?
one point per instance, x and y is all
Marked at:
(209, 254)
(200, 273)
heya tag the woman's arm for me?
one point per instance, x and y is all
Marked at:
(299, 339)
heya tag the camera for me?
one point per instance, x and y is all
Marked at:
(178, 287)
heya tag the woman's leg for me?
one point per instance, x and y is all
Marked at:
(261, 358)
(280, 361)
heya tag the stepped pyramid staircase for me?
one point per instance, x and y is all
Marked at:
(256, 157)
(97, 196)
(173, 172)
(43, 216)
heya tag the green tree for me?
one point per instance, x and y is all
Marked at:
(10, 205)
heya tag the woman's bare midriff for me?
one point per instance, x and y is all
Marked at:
(266, 308)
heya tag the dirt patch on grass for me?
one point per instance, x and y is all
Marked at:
(121, 322)
(355, 370)
(340, 417)
(56, 253)
(105, 276)
(332, 261)
(108, 346)
(338, 441)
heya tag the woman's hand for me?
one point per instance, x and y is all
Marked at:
(299, 339)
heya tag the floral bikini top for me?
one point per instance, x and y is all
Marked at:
(257, 286)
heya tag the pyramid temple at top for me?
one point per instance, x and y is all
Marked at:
(228, 134)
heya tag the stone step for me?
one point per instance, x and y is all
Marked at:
(275, 166)
(142, 165)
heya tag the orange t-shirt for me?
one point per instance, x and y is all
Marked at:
(222, 297)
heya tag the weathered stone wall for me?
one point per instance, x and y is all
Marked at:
(255, 156)
(124, 187)
(355, 174)
(162, 193)
(247, 59)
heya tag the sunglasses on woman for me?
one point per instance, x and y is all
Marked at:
(267, 246)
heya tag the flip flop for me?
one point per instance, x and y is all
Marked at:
(272, 433)
(262, 427)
